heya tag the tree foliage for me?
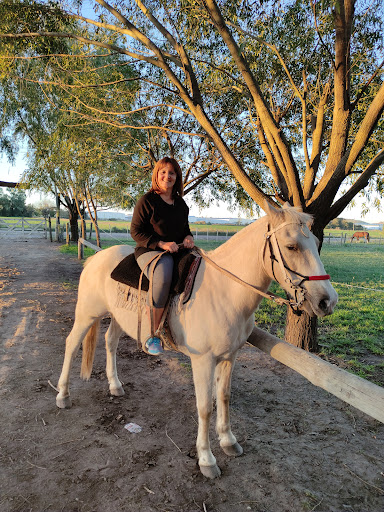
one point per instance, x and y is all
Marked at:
(259, 101)
(286, 98)
(12, 204)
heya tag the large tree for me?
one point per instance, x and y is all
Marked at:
(287, 98)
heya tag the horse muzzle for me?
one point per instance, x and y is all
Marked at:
(321, 305)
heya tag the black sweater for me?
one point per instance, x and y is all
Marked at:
(154, 220)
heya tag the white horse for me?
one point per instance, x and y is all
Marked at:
(218, 318)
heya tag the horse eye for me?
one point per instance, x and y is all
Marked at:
(292, 247)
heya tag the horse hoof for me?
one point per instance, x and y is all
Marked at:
(233, 450)
(64, 403)
(117, 391)
(210, 471)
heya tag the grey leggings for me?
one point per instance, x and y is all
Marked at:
(162, 276)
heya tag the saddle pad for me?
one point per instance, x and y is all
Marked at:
(128, 272)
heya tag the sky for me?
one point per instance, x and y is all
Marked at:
(13, 173)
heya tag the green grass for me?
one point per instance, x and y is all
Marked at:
(353, 336)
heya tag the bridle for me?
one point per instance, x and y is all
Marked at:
(298, 291)
(295, 284)
(297, 297)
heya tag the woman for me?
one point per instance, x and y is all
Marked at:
(160, 223)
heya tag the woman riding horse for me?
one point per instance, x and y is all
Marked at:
(160, 223)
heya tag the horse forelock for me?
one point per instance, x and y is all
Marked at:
(298, 216)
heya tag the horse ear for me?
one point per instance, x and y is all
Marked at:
(272, 212)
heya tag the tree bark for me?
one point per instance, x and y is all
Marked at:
(73, 219)
(301, 331)
(73, 216)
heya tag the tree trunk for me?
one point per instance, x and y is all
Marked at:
(73, 218)
(301, 331)
(74, 227)
(57, 226)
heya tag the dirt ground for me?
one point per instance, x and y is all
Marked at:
(304, 449)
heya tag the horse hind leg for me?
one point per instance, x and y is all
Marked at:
(223, 376)
(111, 342)
(72, 345)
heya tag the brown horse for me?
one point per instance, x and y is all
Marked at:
(360, 234)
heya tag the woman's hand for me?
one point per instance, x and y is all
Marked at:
(168, 246)
(188, 242)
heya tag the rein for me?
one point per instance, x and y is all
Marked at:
(298, 291)
(270, 238)
(267, 295)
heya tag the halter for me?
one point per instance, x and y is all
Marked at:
(298, 291)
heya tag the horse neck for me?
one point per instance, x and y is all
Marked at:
(242, 254)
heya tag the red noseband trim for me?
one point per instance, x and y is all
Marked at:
(319, 278)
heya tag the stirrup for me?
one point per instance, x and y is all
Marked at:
(153, 346)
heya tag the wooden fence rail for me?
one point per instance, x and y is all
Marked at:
(80, 247)
(354, 390)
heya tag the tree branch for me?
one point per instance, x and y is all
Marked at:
(357, 187)
(269, 125)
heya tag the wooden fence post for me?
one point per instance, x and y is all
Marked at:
(80, 250)
(50, 228)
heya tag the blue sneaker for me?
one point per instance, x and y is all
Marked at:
(153, 346)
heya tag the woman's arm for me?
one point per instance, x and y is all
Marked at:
(141, 228)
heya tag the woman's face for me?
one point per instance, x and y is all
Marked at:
(166, 178)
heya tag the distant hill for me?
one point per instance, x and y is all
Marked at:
(110, 215)
(354, 224)
(219, 220)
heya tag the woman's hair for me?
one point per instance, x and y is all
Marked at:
(178, 189)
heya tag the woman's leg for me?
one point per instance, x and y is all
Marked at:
(162, 279)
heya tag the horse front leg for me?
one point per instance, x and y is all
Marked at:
(203, 368)
(111, 343)
(223, 376)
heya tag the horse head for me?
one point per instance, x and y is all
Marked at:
(295, 262)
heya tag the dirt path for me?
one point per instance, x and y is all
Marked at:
(303, 449)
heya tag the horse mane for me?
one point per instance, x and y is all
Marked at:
(237, 237)
(278, 216)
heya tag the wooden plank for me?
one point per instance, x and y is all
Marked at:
(354, 390)
(88, 244)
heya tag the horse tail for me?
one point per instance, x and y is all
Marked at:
(367, 237)
(89, 349)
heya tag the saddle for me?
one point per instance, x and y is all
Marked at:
(184, 273)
